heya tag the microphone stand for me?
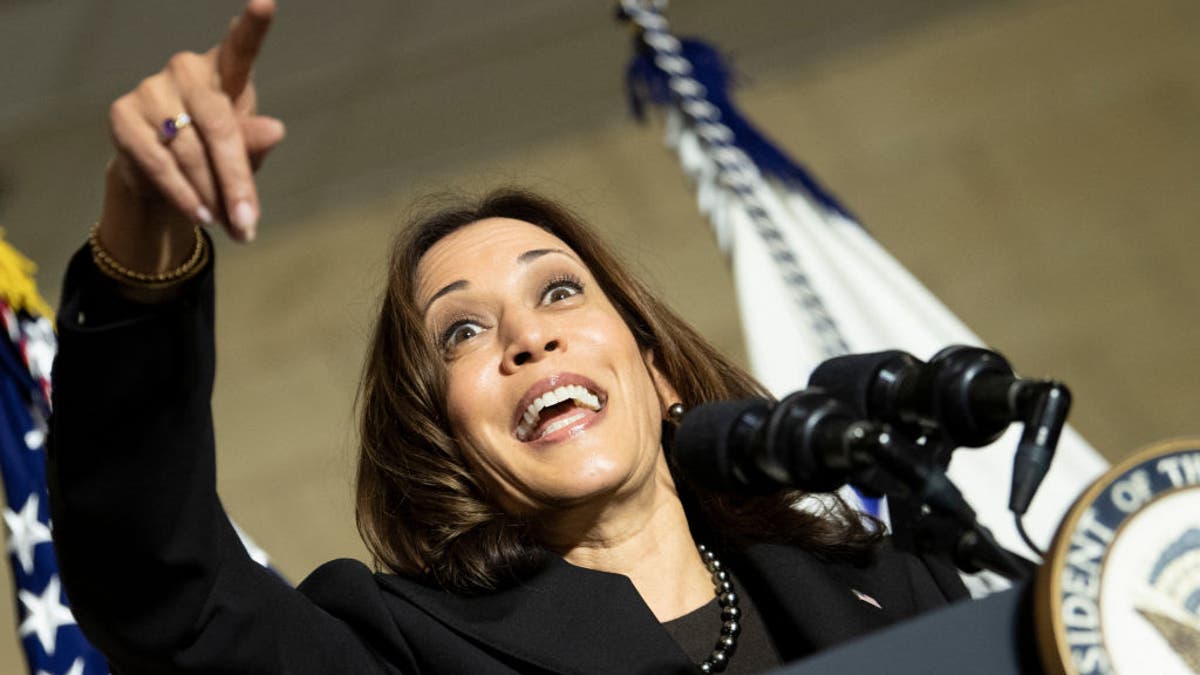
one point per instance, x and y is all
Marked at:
(930, 515)
(970, 549)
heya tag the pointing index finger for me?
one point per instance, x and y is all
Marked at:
(236, 53)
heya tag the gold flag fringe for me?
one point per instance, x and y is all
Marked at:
(17, 288)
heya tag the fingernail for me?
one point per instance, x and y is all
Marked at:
(244, 217)
(204, 215)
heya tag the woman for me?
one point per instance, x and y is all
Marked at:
(512, 486)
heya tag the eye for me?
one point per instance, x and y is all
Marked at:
(459, 332)
(561, 288)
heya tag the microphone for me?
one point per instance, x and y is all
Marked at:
(735, 446)
(961, 393)
(809, 440)
(965, 395)
(812, 441)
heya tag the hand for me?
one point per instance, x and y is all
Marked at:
(158, 188)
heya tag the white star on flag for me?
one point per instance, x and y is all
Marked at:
(46, 614)
(40, 346)
(76, 668)
(35, 439)
(25, 532)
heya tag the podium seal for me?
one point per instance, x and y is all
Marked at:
(1119, 592)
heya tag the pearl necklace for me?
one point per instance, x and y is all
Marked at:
(718, 660)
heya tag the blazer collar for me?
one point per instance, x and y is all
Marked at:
(563, 619)
(571, 620)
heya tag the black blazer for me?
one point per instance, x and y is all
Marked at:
(160, 582)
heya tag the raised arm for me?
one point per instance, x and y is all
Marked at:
(155, 573)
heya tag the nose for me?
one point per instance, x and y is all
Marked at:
(531, 338)
(521, 358)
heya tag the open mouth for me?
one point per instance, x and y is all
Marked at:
(558, 409)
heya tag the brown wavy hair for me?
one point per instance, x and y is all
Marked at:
(423, 512)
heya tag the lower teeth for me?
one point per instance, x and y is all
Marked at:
(560, 424)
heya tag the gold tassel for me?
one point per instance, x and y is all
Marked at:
(17, 288)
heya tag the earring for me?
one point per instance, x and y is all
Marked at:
(675, 413)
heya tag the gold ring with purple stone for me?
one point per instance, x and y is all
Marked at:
(173, 125)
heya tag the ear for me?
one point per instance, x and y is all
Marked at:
(662, 386)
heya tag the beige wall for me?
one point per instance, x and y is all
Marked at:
(1034, 163)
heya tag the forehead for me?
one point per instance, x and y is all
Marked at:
(490, 245)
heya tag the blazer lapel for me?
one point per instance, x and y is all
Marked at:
(809, 604)
(565, 619)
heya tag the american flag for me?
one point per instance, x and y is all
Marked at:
(52, 641)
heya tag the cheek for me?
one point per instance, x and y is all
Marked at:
(606, 334)
(614, 342)
(471, 399)
(471, 407)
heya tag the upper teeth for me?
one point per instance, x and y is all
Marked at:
(578, 393)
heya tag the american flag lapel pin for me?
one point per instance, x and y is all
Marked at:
(866, 598)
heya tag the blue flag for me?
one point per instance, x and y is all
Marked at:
(52, 641)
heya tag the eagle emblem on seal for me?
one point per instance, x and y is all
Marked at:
(1171, 599)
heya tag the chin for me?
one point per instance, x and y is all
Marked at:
(592, 481)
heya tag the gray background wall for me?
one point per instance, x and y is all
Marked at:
(1033, 162)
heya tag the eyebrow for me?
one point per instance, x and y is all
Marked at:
(523, 259)
(531, 255)
(448, 288)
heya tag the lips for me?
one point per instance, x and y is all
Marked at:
(555, 403)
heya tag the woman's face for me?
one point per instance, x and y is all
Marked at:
(549, 393)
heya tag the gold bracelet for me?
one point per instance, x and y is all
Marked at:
(115, 270)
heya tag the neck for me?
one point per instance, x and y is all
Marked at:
(645, 538)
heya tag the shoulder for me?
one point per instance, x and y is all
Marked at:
(339, 576)
(359, 598)
(349, 587)
(348, 590)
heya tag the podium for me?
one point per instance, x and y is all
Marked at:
(992, 636)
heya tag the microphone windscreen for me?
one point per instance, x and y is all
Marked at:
(706, 443)
(850, 378)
